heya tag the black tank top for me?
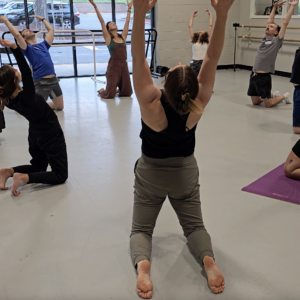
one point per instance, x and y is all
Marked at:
(175, 141)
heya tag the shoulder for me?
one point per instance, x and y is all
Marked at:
(44, 44)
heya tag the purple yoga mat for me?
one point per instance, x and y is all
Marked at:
(277, 186)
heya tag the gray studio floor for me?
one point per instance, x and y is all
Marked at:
(72, 241)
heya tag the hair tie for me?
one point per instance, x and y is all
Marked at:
(185, 99)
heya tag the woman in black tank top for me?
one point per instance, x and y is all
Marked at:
(167, 166)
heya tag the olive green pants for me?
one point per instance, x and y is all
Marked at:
(177, 178)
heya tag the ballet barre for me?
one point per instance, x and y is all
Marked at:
(254, 26)
(260, 38)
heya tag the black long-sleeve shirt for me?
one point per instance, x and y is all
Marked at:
(30, 104)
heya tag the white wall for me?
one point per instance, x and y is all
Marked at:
(246, 50)
(172, 19)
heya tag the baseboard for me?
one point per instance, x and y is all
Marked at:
(249, 68)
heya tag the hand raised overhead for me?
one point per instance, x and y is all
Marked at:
(221, 6)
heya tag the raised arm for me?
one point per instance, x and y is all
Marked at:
(28, 85)
(145, 90)
(16, 34)
(50, 35)
(106, 34)
(207, 74)
(287, 19)
(273, 12)
(211, 23)
(194, 15)
(126, 27)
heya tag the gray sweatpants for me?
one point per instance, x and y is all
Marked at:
(177, 178)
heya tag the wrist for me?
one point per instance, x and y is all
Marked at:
(14, 47)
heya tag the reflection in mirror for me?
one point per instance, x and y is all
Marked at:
(264, 7)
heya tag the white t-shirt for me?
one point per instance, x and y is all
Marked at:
(199, 51)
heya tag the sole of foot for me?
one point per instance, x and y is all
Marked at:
(144, 285)
(4, 175)
(216, 280)
(19, 179)
(100, 91)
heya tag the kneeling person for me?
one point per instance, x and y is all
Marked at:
(260, 80)
(45, 81)
(292, 164)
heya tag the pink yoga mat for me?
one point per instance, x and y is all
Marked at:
(277, 186)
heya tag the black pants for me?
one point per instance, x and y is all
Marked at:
(46, 148)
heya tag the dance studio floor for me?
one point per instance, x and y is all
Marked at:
(72, 241)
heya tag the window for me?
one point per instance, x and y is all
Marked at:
(75, 60)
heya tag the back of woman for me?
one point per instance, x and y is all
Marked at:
(167, 166)
(175, 141)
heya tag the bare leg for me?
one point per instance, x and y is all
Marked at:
(144, 285)
(292, 166)
(270, 102)
(296, 130)
(19, 179)
(4, 175)
(58, 103)
(256, 100)
(216, 280)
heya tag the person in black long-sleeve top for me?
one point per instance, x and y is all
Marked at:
(46, 139)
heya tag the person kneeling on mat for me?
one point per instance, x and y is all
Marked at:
(295, 79)
(46, 139)
(260, 80)
(292, 164)
(45, 81)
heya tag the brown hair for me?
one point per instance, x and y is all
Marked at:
(181, 90)
(204, 38)
(107, 27)
(7, 84)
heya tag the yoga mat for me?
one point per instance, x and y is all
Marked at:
(277, 186)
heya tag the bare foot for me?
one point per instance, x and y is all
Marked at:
(100, 91)
(4, 175)
(216, 280)
(144, 285)
(19, 179)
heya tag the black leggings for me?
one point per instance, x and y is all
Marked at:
(46, 148)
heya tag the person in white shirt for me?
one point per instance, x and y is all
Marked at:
(200, 42)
